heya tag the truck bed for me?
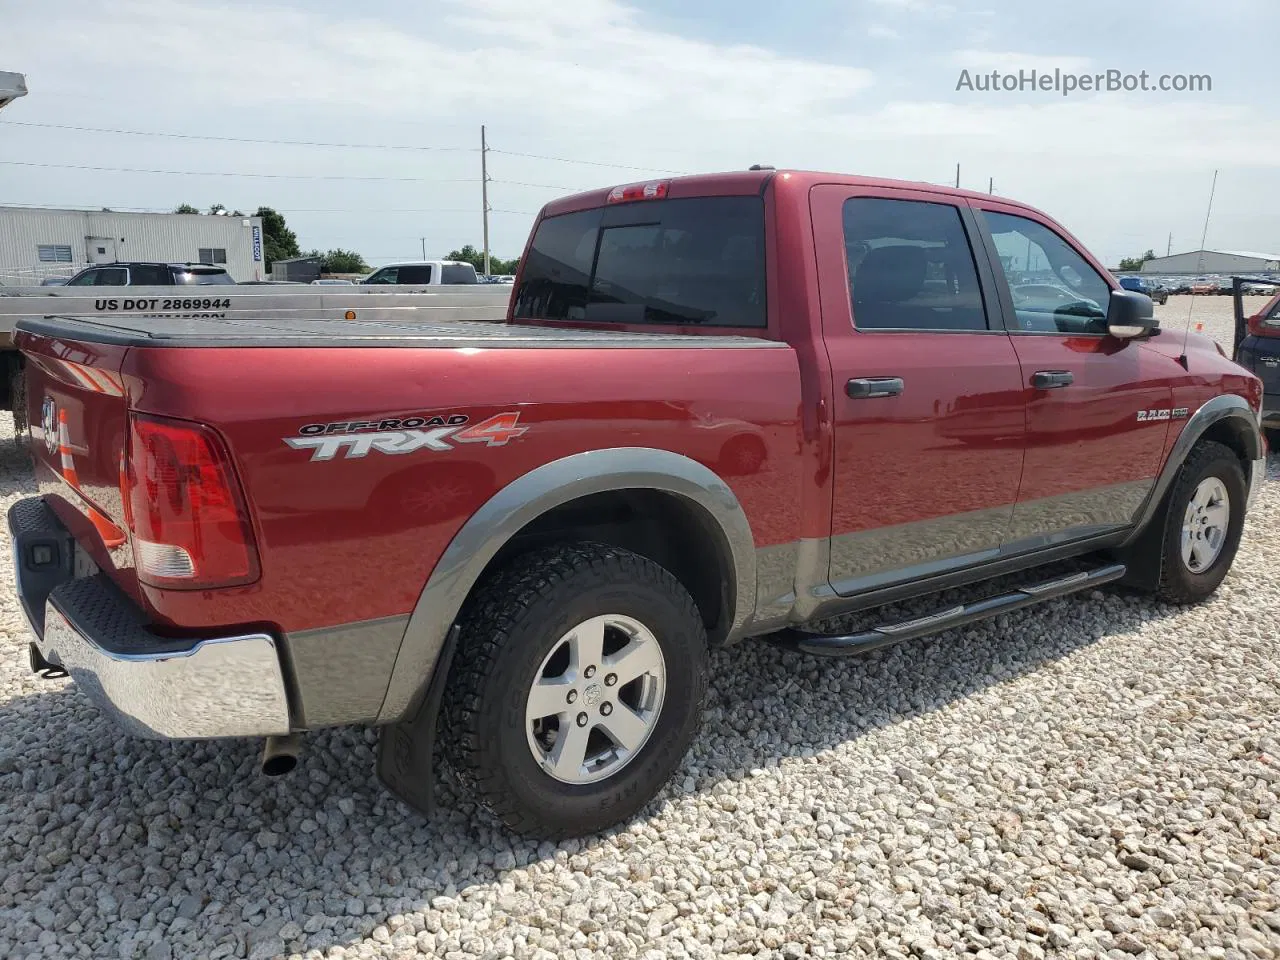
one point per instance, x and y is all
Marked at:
(213, 332)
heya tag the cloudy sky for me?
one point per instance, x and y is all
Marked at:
(584, 93)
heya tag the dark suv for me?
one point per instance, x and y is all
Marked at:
(1142, 285)
(150, 275)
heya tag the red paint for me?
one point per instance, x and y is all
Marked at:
(352, 539)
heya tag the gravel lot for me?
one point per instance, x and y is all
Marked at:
(1099, 776)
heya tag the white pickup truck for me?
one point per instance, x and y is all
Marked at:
(432, 273)
(240, 303)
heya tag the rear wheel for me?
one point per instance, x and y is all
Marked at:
(577, 688)
(1206, 518)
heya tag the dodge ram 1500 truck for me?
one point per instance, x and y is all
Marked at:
(723, 406)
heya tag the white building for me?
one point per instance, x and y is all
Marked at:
(36, 243)
(1214, 261)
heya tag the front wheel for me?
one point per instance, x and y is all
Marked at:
(1206, 518)
(577, 688)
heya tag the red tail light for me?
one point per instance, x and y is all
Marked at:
(189, 522)
(653, 190)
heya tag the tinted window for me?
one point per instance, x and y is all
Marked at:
(910, 267)
(458, 273)
(1054, 289)
(149, 275)
(385, 275)
(86, 279)
(413, 274)
(112, 277)
(699, 260)
(201, 277)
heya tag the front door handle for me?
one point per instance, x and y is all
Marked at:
(1051, 379)
(864, 388)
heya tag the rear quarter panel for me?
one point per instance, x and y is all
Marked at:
(346, 540)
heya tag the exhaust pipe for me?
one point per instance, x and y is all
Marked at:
(280, 755)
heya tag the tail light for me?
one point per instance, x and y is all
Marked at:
(1258, 326)
(184, 507)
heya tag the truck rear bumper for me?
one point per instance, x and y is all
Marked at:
(153, 686)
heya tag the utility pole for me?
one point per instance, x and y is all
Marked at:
(424, 248)
(957, 176)
(991, 184)
(484, 194)
(1169, 248)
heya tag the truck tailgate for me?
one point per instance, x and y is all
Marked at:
(78, 411)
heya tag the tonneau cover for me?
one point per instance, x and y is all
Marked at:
(166, 331)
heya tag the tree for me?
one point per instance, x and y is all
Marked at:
(471, 255)
(216, 209)
(186, 208)
(278, 241)
(344, 261)
(1135, 263)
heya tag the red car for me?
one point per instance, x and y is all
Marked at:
(724, 406)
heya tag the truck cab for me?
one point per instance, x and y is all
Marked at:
(424, 272)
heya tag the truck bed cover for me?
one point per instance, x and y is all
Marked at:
(169, 331)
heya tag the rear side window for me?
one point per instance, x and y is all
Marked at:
(149, 275)
(112, 277)
(201, 277)
(910, 266)
(695, 261)
(414, 274)
(458, 273)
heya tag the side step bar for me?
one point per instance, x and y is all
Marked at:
(957, 616)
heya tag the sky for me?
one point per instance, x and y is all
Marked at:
(576, 94)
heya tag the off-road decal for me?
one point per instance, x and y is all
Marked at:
(394, 436)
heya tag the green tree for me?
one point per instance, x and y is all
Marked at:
(469, 254)
(1135, 263)
(344, 261)
(186, 208)
(278, 241)
(216, 209)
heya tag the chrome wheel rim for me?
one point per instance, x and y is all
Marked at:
(1204, 525)
(595, 699)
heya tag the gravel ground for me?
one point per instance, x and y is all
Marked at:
(1099, 776)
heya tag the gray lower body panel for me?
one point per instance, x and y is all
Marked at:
(342, 672)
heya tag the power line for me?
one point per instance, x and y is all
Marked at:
(589, 163)
(541, 186)
(198, 136)
(120, 208)
(221, 173)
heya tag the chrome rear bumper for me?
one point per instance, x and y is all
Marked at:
(152, 686)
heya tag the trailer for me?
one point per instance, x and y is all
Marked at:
(239, 303)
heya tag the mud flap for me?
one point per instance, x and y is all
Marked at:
(1144, 557)
(406, 750)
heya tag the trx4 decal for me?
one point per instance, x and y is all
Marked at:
(408, 435)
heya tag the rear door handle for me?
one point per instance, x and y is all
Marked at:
(864, 388)
(1052, 379)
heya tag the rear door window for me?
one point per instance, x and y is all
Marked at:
(687, 261)
(458, 273)
(414, 274)
(910, 266)
(112, 277)
(87, 279)
(149, 275)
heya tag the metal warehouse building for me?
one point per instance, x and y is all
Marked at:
(1214, 261)
(38, 243)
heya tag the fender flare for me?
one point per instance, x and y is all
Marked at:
(1227, 406)
(521, 502)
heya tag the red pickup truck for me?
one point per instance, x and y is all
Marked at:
(724, 406)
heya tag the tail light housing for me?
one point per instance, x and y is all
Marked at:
(653, 190)
(184, 507)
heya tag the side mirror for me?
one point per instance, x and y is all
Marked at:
(1130, 315)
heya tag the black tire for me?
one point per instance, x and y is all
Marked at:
(1178, 583)
(513, 622)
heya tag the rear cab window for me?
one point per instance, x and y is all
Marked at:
(697, 261)
(456, 273)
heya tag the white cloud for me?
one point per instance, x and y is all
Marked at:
(925, 8)
(1012, 62)
(878, 31)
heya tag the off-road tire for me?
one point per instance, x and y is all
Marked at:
(508, 628)
(1177, 583)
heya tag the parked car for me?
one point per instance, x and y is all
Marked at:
(530, 537)
(1147, 287)
(1259, 351)
(54, 281)
(150, 275)
(331, 282)
(428, 272)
